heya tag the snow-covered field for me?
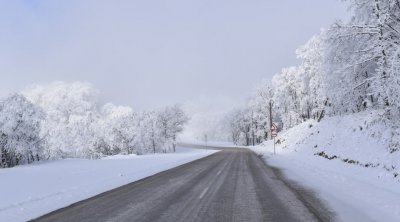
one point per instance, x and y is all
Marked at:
(355, 174)
(30, 191)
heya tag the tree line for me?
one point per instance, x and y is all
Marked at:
(63, 120)
(351, 67)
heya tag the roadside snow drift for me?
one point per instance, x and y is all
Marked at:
(30, 191)
(346, 160)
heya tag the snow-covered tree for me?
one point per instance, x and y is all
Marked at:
(264, 99)
(259, 119)
(20, 122)
(171, 121)
(240, 126)
(118, 126)
(71, 112)
(360, 56)
(287, 94)
(313, 98)
(150, 139)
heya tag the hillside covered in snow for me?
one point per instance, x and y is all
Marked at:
(352, 139)
(346, 160)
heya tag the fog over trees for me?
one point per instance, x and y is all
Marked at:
(351, 67)
(64, 120)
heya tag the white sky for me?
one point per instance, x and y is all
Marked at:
(152, 53)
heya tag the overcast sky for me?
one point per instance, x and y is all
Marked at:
(156, 52)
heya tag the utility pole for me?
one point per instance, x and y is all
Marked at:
(274, 146)
(270, 116)
(274, 133)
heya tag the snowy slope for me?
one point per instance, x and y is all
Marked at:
(32, 190)
(346, 160)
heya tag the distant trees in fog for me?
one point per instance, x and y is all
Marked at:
(63, 120)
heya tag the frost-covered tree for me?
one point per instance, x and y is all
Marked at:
(265, 100)
(20, 141)
(71, 113)
(259, 119)
(360, 55)
(313, 97)
(287, 85)
(117, 130)
(150, 138)
(171, 121)
(240, 127)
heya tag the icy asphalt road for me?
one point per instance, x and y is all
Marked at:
(231, 185)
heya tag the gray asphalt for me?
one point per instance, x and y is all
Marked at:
(231, 185)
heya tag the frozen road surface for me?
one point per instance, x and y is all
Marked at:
(231, 185)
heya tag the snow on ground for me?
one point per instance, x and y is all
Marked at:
(30, 191)
(355, 174)
(211, 144)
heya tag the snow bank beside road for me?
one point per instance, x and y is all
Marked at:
(346, 160)
(29, 191)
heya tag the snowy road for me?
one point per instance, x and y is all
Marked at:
(231, 185)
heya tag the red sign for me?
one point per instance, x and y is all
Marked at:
(274, 127)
